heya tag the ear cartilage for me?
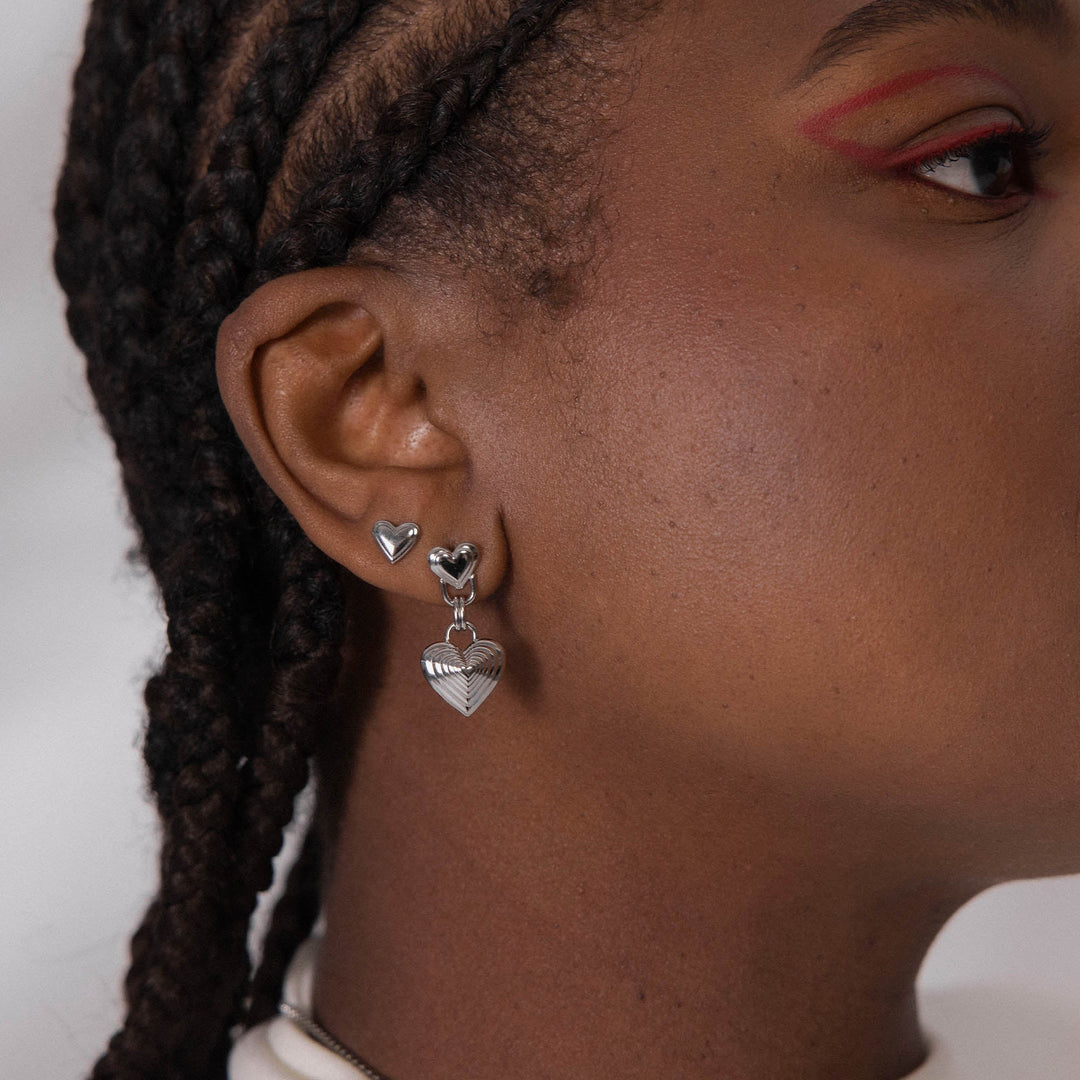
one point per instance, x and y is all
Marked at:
(462, 679)
(395, 541)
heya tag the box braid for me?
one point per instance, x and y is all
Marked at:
(113, 50)
(152, 260)
(331, 214)
(191, 700)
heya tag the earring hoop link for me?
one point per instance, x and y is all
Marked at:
(463, 627)
(452, 600)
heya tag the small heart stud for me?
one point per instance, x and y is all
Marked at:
(395, 541)
(454, 567)
(463, 679)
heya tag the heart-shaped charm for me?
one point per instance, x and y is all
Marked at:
(454, 567)
(396, 541)
(463, 679)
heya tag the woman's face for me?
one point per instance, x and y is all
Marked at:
(802, 505)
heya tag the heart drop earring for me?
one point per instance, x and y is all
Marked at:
(462, 679)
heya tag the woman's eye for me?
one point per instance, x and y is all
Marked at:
(993, 167)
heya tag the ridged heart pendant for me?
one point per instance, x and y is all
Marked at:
(395, 541)
(463, 679)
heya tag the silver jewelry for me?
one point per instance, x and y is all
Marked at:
(395, 541)
(462, 679)
(310, 1026)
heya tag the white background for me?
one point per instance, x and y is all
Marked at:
(79, 630)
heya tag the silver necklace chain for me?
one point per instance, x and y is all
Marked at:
(312, 1027)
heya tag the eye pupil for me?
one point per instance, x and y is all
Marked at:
(993, 168)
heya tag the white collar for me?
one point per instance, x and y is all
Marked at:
(278, 1049)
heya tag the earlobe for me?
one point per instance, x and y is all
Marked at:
(322, 375)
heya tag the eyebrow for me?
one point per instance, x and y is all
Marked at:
(860, 29)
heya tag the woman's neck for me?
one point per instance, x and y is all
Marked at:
(513, 897)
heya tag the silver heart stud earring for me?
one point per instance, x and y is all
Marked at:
(462, 679)
(395, 541)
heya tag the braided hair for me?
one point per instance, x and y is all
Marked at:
(211, 149)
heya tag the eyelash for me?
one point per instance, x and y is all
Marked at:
(1026, 144)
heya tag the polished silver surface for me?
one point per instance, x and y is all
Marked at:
(459, 605)
(463, 678)
(395, 541)
(455, 567)
(453, 600)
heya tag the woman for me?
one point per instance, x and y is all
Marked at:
(739, 342)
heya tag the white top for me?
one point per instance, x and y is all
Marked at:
(278, 1049)
(986, 1033)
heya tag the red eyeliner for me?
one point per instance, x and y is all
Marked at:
(943, 144)
(819, 127)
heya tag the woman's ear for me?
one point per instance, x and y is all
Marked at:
(322, 373)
